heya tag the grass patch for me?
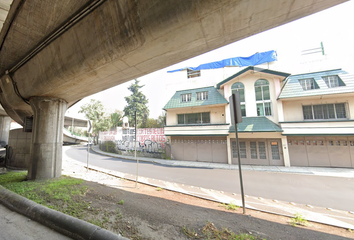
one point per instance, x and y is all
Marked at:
(190, 233)
(298, 219)
(158, 189)
(211, 232)
(63, 194)
(121, 202)
(231, 206)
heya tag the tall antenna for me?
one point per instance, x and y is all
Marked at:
(314, 50)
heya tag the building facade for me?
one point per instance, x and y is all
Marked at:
(281, 120)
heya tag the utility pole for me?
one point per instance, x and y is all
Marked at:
(137, 161)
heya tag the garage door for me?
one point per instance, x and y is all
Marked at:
(333, 151)
(203, 149)
(258, 152)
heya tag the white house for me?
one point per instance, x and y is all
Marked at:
(282, 123)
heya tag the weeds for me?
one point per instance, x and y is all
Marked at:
(121, 202)
(119, 215)
(210, 231)
(298, 219)
(231, 206)
(158, 189)
(190, 233)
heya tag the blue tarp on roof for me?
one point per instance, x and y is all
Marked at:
(253, 60)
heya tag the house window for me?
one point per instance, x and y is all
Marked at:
(308, 84)
(243, 149)
(333, 81)
(274, 146)
(264, 105)
(202, 96)
(324, 111)
(239, 87)
(192, 74)
(186, 97)
(194, 118)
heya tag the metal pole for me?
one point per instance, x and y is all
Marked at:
(137, 161)
(72, 126)
(88, 151)
(239, 169)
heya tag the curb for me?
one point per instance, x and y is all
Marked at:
(97, 169)
(60, 222)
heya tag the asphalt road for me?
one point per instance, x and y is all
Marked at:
(321, 191)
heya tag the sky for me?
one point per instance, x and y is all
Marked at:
(329, 26)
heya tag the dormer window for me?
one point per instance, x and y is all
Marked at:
(202, 96)
(333, 81)
(308, 84)
(186, 97)
(192, 74)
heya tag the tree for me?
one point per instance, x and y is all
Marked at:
(95, 112)
(154, 123)
(136, 102)
(116, 119)
(161, 120)
(149, 123)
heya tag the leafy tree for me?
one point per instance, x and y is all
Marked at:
(161, 120)
(95, 112)
(154, 123)
(116, 119)
(136, 102)
(149, 123)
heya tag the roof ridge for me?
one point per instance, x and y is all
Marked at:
(317, 72)
(194, 89)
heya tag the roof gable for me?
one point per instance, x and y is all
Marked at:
(251, 68)
(214, 97)
(293, 88)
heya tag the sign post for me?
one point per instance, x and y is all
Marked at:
(236, 117)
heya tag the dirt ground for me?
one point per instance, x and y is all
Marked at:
(148, 212)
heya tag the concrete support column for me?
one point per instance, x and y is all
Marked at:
(5, 124)
(47, 137)
(228, 146)
(286, 156)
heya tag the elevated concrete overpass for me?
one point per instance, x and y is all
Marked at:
(54, 53)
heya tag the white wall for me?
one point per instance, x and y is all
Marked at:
(293, 109)
(250, 96)
(217, 114)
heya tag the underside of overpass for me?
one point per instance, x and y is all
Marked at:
(54, 53)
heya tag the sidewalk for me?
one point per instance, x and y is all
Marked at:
(338, 218)
(318, 171)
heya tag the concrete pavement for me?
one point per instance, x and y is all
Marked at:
(339, 218)
(17, 226)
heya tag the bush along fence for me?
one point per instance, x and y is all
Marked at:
(150, 142)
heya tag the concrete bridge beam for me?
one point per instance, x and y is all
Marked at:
(47, 137)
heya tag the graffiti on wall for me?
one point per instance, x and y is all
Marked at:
(150, 140)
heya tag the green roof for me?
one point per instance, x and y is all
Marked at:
(293, 88)
(214, 97)
(251, 68)
(256, 124)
